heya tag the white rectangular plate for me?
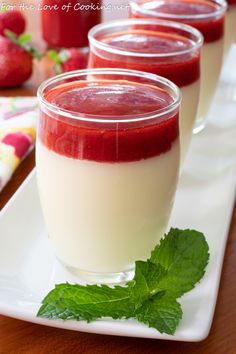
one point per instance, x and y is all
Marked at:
(204, 201)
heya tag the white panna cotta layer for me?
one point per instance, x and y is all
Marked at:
(188, 114)
(115, 212)
(211, 62)
(230, 27)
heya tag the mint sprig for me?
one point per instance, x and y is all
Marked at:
(184, 255)
(175, 266)
(162, 312)
(87, 303)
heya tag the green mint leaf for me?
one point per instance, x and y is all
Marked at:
(87, 302)
(161, 312)
(146, 280)
(184, 254)
(174, 268)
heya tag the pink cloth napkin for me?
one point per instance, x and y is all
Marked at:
(18, 117)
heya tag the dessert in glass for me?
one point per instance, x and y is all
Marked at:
(230, 25)
(164, 48)
(107, 158)
(66, 24)
(208, 17)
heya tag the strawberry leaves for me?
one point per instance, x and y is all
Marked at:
(23, 41)
(58, 59)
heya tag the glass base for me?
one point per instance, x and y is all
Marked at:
(102, 278)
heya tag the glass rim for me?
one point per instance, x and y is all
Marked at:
(116, 119)
(221, 4)
(165, 23)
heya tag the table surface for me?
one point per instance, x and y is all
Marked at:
(20, 337)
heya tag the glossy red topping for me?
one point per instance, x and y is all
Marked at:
(146, 41)
(231, 2)
(103, 141)
(182, 69)
(181, 7)
(211, 27)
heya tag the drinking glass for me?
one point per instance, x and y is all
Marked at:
(208, 17)
(161, 47)
(107, 158)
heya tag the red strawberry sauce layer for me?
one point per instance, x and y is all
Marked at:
(181, 69)
(211, 28)
(104, 141)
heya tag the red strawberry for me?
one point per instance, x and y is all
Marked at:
(16, 58)
(68, 60)
(12, 20)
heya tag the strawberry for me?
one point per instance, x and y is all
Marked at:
(16, 58)
(12, 20)
(68, 60)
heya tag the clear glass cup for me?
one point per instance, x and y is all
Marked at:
(173, 52)
(210, 23)
(107, 158)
